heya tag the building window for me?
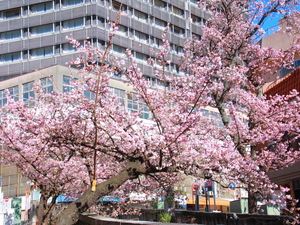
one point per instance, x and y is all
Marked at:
(122, 30)
(67, 83)
(14, 34)
(42, 7)
(141, 36)
(3, 99)
(137, 105)
(119, 49)
(14, 93)
(10, 57)
(28, 92)
(177, 11)
(74, 23)
(68, 47)
(196, 36)
(47, 84)
(177, 49)
(11, 13)
(120, 95)
(160, 3)
(89, 95)
(195, 19)
(118, 6)
(141, 56)
(66, 3)
(140, 15)
(158, 42)
(132, 102)
(41, 52)
(174, 68)
(160, 23)
(177, 30)
(47, 28)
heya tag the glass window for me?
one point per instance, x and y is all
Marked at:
(3, 99)
(10, 57)
(132, 102)
(141, 56)
(42, 7)
(120, 94)
(141, 36)
(195, 19)
(28, 91)
(177, 11)
(137, 105)
(68, 47)
(14, 34)
(140, 15)
(41, 52)
(118, 6)
(11, 13)
(177, 49)
(47, 84)
(119, 49)
(47, 28)
(69, 24)
(160, 3)
(160, 23)
(14, 92)
(89, 95)
(158, 42)
(178, 30)
(67, 83)
(71, 2)
(122, 29)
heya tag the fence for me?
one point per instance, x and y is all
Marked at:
(187, 217)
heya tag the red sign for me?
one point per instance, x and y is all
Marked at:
(6, 199)
(208, 183)
(195, 187)
(195, 192)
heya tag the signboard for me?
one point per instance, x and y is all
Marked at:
(16, 204)
(6, 199)
(208, 183)
(196, 187)
(232, 186)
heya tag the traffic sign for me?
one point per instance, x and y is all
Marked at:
(208, 183)
(196, 187)
(6, 199)
(195, 193)
(232, 186)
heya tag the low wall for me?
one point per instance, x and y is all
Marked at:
(186, 217)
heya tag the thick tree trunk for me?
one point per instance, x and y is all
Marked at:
(71, 214)
(45, 210)
(252, 202)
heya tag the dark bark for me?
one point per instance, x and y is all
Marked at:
(45, 210)
(71, 214)
(252, 202)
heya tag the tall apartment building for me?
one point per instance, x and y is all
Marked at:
(33, 32)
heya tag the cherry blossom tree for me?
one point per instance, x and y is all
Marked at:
(230, 61)
(71, 144)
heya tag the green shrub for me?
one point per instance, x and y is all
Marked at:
(165, 217)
